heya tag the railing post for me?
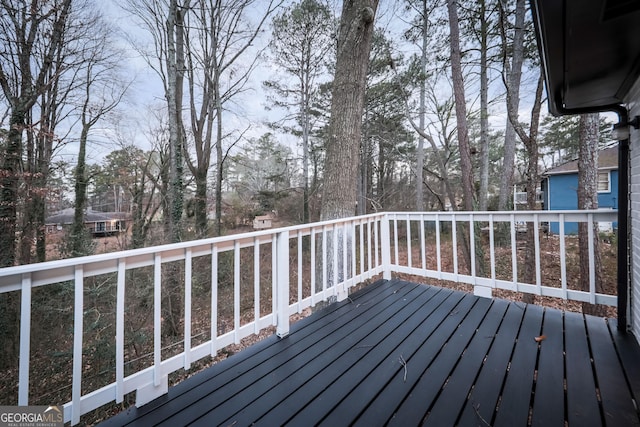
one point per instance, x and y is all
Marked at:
(78, 317)
(483, 291)
(25, 341)
(385, 245)
(160, 384)
(282, 283)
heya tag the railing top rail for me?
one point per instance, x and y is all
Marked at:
(518, 212)
(528, 215)
(132, 253)
(106, 262)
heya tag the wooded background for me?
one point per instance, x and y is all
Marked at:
(145, 107)
(453, 115)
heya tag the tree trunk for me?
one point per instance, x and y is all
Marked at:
(80, 240)
(531, 145)
(306, 125)
(35, 181)
(174, 102)
(363, 182)
(513, 75)
(27, 231)
(466, 168)
(201, 220)
(345, 126)
(484, 110)
(381, 179)
(9, 178)
(305, 173)
(45, 143)
(588, 199)
(219, 165)
(423, 110)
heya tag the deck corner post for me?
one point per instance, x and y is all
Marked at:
(385, 237)
(282, 283)
(149, 392)
(482, 291)
(343, 292)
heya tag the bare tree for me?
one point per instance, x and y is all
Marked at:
(175, 64)
(164, 21)
(422, 112)
(588, 199)
(441, 152)
(420, 35)
(102, 92)
(42, 141)
(143, 185)
(464, 148)
(218, 39)
(530, 141)
(466, 167)
(27, 33)
(483, 38)
(512, 71)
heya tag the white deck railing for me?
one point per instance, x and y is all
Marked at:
(305, 263)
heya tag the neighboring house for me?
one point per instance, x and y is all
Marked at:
(98, 223)
(262, 221)
(560, 188)
(590, 54)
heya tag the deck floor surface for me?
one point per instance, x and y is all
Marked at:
(404, 354)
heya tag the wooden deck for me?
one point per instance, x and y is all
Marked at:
(400, 353)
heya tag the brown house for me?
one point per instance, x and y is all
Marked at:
(98, 223)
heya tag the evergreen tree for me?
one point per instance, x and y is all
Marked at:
(302, 42)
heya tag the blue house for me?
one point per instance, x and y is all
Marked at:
(560, 187)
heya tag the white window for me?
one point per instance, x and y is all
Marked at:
(604, 182)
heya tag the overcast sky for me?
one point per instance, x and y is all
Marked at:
(146, 91)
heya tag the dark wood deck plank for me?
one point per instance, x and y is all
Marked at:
(548, 403)
(230, 369)
(418, 402)
(617, 405)
(446, 409)
(627, 349)
(391, 396)
(222, 402)
(516, 393)
(469, 362)
(358, 364)
(480, 406)
(349, 408)
(335, 362)
(390, 366)
(582, 402)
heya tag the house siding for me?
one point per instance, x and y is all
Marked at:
(633, 103)
(561, 193)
